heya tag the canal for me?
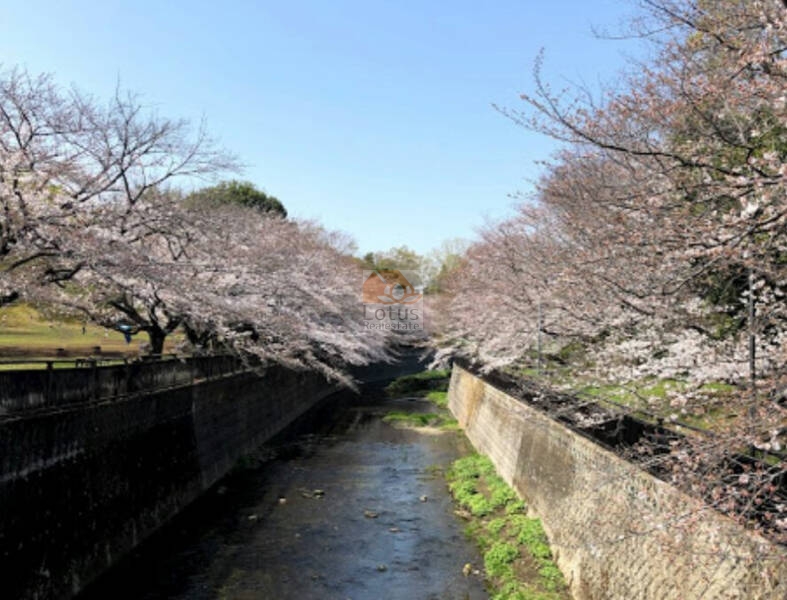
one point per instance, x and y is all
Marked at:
(342, 506)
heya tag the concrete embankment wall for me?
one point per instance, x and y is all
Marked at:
(93, 460)
(617, 532)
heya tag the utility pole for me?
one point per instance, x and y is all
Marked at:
(752, 341)
(538, 339)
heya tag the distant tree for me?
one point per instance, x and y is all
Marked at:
(399, 257)
(441, 262)
(368, 262)
(433, 268)
(241, 193)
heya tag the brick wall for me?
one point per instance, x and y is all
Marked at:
(616, 531)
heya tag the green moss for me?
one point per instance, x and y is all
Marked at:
(414, 419)
(431, 385)
(450, 425)
(440, 398)
(717, 387)
(616, 393)
(417, 419)
(419, 384)
(707, 419)
(474, 530)
(510, 591)
(654, 395)
(723, 325)
(661, 388)
(571, 352)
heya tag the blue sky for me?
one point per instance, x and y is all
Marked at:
(373, 117)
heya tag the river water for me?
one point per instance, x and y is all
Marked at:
(345, 506)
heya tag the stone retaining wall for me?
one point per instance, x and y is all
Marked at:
(82, 483)
(617, 532)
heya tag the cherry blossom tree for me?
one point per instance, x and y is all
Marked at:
(284, 291)
(656, 237)
(230, 277)
(673, 186)
(67, 159)
(91, 222)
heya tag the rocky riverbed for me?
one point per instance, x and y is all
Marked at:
(351, 507)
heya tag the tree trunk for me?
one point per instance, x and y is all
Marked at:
(9, 298)
(157, 337)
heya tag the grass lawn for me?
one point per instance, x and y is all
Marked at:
(706, 410)
(711, 405)
(25, 333)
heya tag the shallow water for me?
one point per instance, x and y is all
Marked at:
(353, 508)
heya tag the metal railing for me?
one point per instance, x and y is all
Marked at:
(55, 383)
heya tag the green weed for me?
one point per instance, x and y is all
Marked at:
(419, 384)
(504, 533)
(439, 398)
(498, 559)
(414, 419)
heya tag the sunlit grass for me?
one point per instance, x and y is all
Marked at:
(419, 384)
(27, 333)
(439, 398)
(414, 419)
(649, 397)
(441, 420)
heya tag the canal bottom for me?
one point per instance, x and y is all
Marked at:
(341, 506)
